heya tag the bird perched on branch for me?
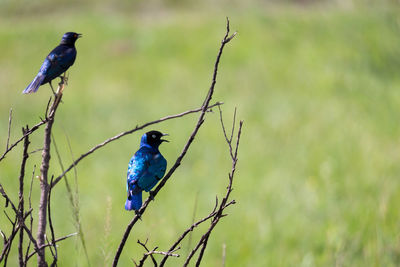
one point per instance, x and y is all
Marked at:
(57, 62)
(145, 169)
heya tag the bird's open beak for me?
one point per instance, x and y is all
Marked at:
(163, 140)
(79, 35)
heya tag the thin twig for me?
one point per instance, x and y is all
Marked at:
(51, 249)
(152, 252)
(7, 247)
(31, 217)
(31, 130)
(228, 140)
(55, 241)
(233, 126)
(203, 248)
(36, 150)
(118, 136)
(188, 230)
(224, 204)
(146, 254)
(25, 156)
(9, 128)
(164, 253)
(55, 255)
(8, 200)
(8, 218)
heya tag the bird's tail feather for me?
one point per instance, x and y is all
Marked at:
(134, 202)
(34, 85)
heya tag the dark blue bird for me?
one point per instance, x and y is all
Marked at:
(145, 169)
(57, 62)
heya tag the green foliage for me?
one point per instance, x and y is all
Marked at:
(317, 86)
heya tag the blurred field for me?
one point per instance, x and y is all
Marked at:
(317, 85)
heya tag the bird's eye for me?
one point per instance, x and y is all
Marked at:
(75, 35)
(153, 136)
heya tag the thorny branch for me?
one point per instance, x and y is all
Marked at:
(199, 123)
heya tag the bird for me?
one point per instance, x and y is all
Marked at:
(57, 62)
(146, 168)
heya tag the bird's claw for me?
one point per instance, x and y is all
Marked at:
(138, 214)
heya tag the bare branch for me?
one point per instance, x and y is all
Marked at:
(203, 248)
(224, 203)
(146, 254)
(7, 246)
(187, 231)
(31, 217)
(118, 136)
(44, 186)
(228, 140)
(55, 255)
(31, 130)
(8, 200)
(32, 239)
(233, 126)
(154, 251)
(170, 254)
(8, 217)
(3, 235)
(21, 196)
(55, 242)
(199, 123)
(51, 251)
(36, 150)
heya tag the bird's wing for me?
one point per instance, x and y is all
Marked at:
(138, 166)
(154, 173)
(45, 66)
(62, 57)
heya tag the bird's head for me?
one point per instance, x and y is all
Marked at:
(69, 38)
(153, 139)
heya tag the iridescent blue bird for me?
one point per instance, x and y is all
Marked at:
(145, 169)
(57, 62)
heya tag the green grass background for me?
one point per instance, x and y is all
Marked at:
(317, 84)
